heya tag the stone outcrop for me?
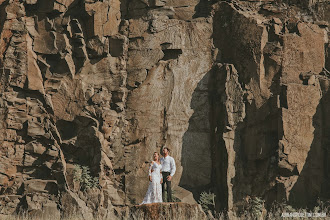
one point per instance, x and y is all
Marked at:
(237, 90)
(173, 211)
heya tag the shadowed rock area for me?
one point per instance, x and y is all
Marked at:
(238, 90)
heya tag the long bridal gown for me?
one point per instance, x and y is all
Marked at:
(154, 193)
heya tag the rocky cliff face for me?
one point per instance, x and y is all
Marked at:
(238, 92)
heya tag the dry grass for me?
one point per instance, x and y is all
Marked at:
(23, 217)
(280, 211)
(180, 211)
(47, 217)
(19, 217)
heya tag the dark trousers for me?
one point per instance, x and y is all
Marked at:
(168, 187)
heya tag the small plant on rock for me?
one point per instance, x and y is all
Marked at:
(207, 201)
(257, 207)
(81, 174)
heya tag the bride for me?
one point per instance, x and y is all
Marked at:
(154, 193)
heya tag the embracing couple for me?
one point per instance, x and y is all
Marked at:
(161, 172)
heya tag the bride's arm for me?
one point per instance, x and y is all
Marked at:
(160, 171)
(150, 171)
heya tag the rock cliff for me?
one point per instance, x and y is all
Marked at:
(237, 90)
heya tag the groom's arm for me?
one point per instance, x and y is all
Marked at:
(173, 167)
(161, 163)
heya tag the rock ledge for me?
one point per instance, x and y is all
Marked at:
(167, 211)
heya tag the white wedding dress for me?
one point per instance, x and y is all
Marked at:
(154, 193)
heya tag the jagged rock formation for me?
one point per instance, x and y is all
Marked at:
(275, 127)
(237, 90)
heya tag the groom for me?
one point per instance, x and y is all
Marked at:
(168, 170)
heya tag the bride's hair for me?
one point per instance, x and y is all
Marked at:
(157, 154)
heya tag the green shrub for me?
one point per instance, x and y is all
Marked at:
(81, 174)
(257, 206)
(207, 201)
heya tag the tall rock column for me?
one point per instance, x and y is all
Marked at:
(166, 60)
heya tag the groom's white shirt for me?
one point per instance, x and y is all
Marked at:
(168, 165)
